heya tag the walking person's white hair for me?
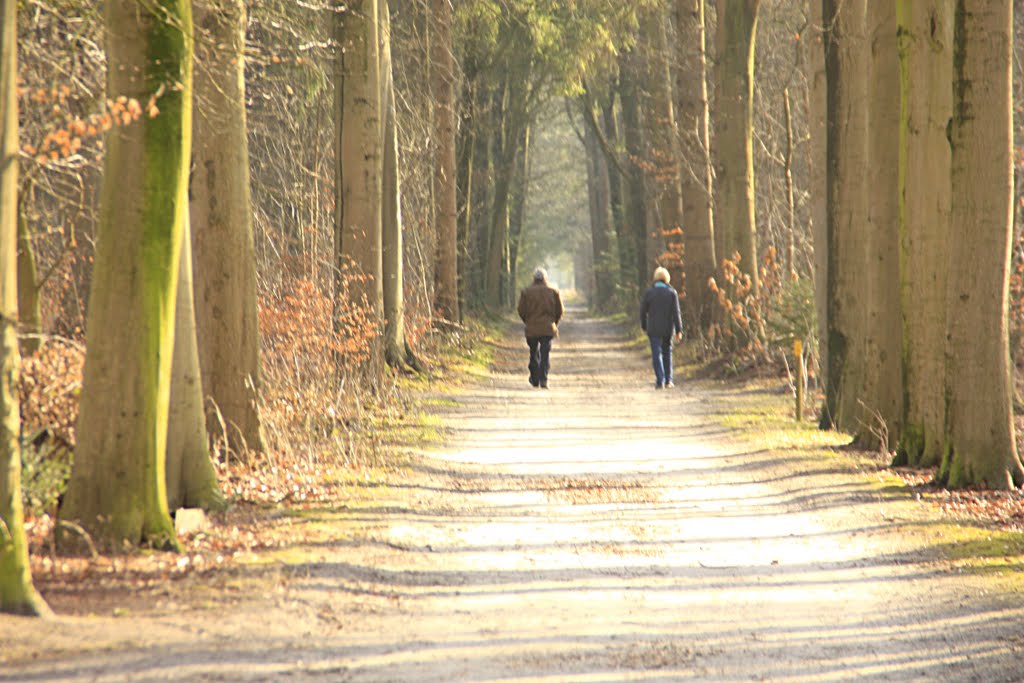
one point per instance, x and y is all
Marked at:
(661, 275)
(540, 275)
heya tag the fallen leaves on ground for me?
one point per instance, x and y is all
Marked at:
(1000, 509)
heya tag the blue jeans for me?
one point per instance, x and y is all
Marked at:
(540, 354)
(661, 359)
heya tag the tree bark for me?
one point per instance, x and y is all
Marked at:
(117, 489)
(191, 480)
(17, 594)
(695, 145)
(446, 294)
(615, 193)
(30, 315)
(847, 66)
(391, 216)
(882, 393)
(817, 114)
(599, 206)
(926, 72)
(735, 224)
(224, 263)
(358, 237)
(635, 246)
(517, 209)
(980, 445)
(662, 143)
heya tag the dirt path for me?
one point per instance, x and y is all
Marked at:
(597, 532)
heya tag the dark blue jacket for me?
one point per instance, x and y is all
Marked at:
(659, 311)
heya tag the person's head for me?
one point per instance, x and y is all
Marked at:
(661, 275)
(540, 275)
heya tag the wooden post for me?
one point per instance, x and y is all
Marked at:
(798, 351)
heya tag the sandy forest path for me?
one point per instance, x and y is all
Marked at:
(598, 531)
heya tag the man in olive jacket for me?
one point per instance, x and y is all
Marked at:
(540, 307)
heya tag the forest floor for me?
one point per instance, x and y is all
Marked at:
(598, 531)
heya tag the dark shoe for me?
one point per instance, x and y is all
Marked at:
(658, 385)
(533, 382)
(543, 385)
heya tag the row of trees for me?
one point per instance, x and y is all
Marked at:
(906, 131)
(377, 156)
(174, 259)
(160, 346)
(917, 242)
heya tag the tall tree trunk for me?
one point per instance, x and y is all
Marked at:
(497, 229)
(466, 143)
(662, 145)
(482, 197)
(735, 224)
(817, 115)
(847, 66)
(599, 204)
(358, 238)
(616, 200)
(636, 193)
(30, 320)
(17, 594)
(882, 391)
(695, 176)
(926, 72)
(446, 294)
(517, 209)
(224, 254)
(117, 489)
(191, 480)
(865, 328)
(980, 444)
(391, 216)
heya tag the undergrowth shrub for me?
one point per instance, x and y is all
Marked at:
(311, 364)
(49, 388)
(757, 329)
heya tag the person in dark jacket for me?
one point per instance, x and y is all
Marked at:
(540, 307)
(660, 319)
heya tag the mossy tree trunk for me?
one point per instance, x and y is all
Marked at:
(117, 489)
(17, 593)
(980, 446)
(926, 72)
(224, 265)
(735, 227)
(691, 96)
